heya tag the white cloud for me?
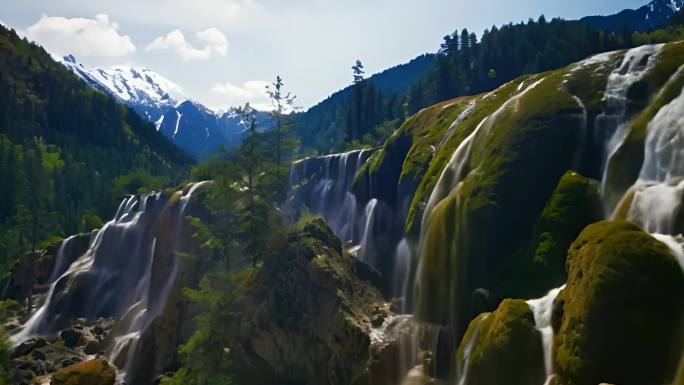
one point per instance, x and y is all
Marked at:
(83, 37)
(253, 91)
(214, 41)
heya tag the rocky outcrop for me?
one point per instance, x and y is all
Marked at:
(38, 358)
(32, 272)
(575, 204)
(619, 318)
(307, 318)
(94, 372)
(502, 347)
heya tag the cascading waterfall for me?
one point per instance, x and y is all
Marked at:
(542, 308)
(113, 277)
(611, 124)
(458, 167)
(323, 185)
(105, 277)
(657, 195)
(141, 314)
(61, 262)
(468, 352)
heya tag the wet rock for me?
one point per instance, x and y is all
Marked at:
(309, 295)
(93, 347)
(68, 361)
(502, 347)
(72, 337)
(93, 372)
(619, 318)
(38, 355)
(28, 346)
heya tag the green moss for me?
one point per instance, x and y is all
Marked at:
(425, 130)
(575, 203)
(619, 318)
(525, 144)
(505, 348)
(484, 105)
(94, 372)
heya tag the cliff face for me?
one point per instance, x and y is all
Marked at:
(491, 190)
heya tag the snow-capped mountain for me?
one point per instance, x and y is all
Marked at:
(190, 125)
(649, 17)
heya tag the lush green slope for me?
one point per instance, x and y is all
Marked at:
(62, 148)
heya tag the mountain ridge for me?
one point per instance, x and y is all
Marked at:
(188, 123)
(651, 16)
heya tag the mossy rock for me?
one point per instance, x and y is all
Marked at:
(93, 372)
(575, 204)
(619, 319)
(518, 156)
(503, 347)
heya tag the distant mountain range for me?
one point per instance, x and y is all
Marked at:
(190, 125)
(649, 17)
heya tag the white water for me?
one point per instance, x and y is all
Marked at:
(611, 124)
(459, 165)
(676, 245)
(103, 278)
(61, 263)
(584, 119)
(542, 308)
(367, 252)
(468, 351)
(113, 277)
(147, 309)
(330, 178)
(657, 200)
(402, 272)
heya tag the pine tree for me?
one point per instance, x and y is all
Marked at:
(280, 101)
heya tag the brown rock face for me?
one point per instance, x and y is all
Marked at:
(93, 372)
(308, 316)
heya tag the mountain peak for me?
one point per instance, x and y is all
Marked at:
(128, 84)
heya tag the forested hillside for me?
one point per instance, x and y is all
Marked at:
(465, 64)
(67, 152)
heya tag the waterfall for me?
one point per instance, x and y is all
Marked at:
(61, 263)
(402, 273)
(367, 251)
(579, 151)
(323, 185)
(542, 308)
(458, 166)
(113, 277)
(102, 281)
(141, 314)
(611, 124)
(656, 204)
(468, 351)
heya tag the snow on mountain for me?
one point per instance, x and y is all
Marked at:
(189, 124)
(130, 85)
(649, 17)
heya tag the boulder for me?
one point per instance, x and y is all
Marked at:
(307, 316)
(28, 346)
(619, 318)
(71, 337)
(94, 372)
(502, 347)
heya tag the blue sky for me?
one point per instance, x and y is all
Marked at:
(222, 52)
